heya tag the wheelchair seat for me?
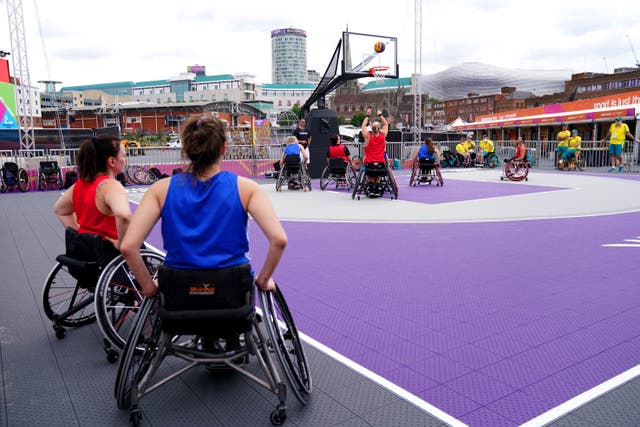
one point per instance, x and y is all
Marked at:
(387, 182)
(49, 173)
(338, 166)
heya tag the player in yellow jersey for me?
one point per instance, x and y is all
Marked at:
(563, 141)
(573, 145)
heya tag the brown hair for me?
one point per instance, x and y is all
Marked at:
(431, 146)
(202, 140)
(93, 155)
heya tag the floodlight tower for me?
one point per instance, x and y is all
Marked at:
(417, 72)
(22, 81)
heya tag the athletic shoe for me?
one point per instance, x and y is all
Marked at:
(620, 168)
(611, 170)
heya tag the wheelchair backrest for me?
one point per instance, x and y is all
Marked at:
(49, 167)
(11, 167)
(292, 161)
(89, 253)
(426, 163)
(227, 288)
(375, 169)
(337, 165)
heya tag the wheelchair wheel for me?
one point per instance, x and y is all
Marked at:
(23, 180)
(42, 179)
(414, 172)
(580, 165)
(60, 182)
(306, 181)
(138, 352)
(326, 178)
(3, 186)
(286, 342)
(492, 160)
(393, 184)
(358, 183)
(61, 293)
(118, 297)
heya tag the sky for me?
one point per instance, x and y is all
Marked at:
(81, 42)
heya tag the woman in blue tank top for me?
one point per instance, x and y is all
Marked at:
(204, 213)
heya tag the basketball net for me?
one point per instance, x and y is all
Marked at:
(378, 72)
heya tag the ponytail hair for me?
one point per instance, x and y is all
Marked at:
(202, 140)
(93, 155)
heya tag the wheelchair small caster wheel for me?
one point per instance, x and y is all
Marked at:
(278, 417)
(135, 416)
(502, 178)
(112, 356)
(526, 179)
(60, 332)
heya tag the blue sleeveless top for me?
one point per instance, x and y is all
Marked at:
(204, 225)
(424, 153)
(292, 149)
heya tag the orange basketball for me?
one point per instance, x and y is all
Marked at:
(378, 47)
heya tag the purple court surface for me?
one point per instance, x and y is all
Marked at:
(493, 323)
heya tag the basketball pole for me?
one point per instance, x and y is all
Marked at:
(417, 73)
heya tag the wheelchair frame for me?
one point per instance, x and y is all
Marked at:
(273, 330)
(21, 176)
(49, 173)
(67, 303)
(300, 174)
(388, 183)
(491, 160)
(418, 176)
(515, 170)
(340, 176)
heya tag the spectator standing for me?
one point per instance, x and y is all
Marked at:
(618, 133)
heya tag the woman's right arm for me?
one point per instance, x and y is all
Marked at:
(260, 209)
(144, 218)
(63, 209)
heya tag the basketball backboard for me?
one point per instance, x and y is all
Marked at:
(362, 52)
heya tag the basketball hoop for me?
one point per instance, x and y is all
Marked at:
(379, 72)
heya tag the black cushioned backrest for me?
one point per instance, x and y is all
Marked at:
(11, 167)
(337, 165)
(375, 169)
(49, 167)
(292, 161)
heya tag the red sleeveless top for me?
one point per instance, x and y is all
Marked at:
(374, 151)
(90, 219)
(337, 152)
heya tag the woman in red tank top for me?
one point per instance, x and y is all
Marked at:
(97, 203)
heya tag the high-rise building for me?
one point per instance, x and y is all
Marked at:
(289, 56)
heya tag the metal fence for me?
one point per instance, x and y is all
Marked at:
(256, 160)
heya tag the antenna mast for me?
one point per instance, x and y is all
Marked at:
(633, 51)
(22, 81)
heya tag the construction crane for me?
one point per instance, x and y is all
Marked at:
(634, 52)
(22, 81)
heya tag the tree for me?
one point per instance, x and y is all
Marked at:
(357, 119)
(297, 110)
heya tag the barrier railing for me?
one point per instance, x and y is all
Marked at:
(256, 160)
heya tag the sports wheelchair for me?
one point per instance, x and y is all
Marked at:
(515, 170)
(372, 189)
(50, 173)
(491, 160)
(208, 317)
(92, 266)
(294, 173)
(575, 162)
(449, 159)
(12, 176)
(424, 172)
(340, 173)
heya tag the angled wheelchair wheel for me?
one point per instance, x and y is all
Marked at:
(118, 297)
(286, 342)
(492, 160)
(138, 352)
(393, 184)
(414, 172)
(60, 182)
(306, 181)
(3, 186)
(23, 180)
(326, 178)
(62, 293)
(42, 179)
(580, 164)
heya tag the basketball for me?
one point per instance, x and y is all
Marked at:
(378, 47)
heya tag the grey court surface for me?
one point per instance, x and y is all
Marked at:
(46, 381)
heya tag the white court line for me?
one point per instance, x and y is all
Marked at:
(415, 400)
(621, 245)
(584, 398)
